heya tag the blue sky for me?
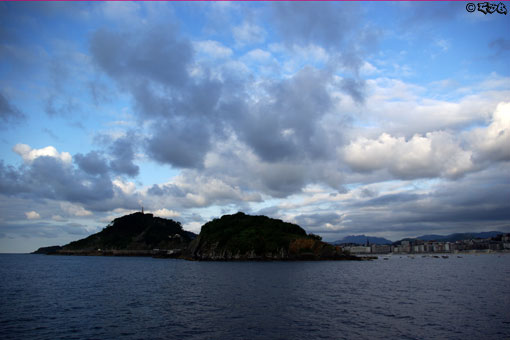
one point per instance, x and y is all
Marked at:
(389, 119)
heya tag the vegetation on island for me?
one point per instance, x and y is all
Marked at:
(231, 237)
(134, 234)
(246, 237)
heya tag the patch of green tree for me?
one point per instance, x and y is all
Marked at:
(243, 233)
(134, 232)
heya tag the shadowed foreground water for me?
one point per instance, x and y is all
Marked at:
(59, 297)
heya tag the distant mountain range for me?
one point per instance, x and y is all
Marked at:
(362, 239)
(456, 236)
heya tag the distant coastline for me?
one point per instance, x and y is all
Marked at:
(455, 243)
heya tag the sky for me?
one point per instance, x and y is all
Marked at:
(377, 118)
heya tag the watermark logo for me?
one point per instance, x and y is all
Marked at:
(487, 8)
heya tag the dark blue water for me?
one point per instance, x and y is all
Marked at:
(59, 297)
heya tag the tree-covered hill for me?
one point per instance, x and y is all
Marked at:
(245, 237)
(131, 233)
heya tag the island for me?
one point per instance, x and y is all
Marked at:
(236, 237)
(136, 234)
(244, 237)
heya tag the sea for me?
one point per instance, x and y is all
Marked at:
(73, 297)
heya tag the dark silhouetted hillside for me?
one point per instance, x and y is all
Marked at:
(245, 237)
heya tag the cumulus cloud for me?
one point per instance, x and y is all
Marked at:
(32, 215)
(493, 142)
(330, 220)
(74, 209)
(50, 174)
(190, 107)
(126, 187)
(156, 56)
(122, 152)
(248, 33)
(191, 189)
(29, 155)
(211, 48)
(166, 213)
(92, 163)
(182, 143)
(258, 55)
(58, 218)
(286, 124)
(434, 155)
(184, 111)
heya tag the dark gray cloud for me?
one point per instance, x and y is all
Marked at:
(476, 202)
(10, 180)
(355, 88)
(184, 124)
(282, 179)
(180, 142)
(156, 55)
(153, 67)
(8, 112)
(48, 177)
(286, 125)
(122, 152)
(189, 114)
(93, 163)
(331, 25)
(166, 190)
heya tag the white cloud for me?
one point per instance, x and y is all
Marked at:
(126, 187)
(248, 34)
(493, 142)
(440, 153)
(58, 218)
(368, 69)
(311, 53)
(166, 213)
(32, 215)
(258, 55)
(212, 48)
(74, 210)
(28, 154)
(402, 108)
(432, 155)
(193, 227)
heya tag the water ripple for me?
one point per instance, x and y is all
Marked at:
(51, 297)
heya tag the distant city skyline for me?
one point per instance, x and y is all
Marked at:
(377, 118)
